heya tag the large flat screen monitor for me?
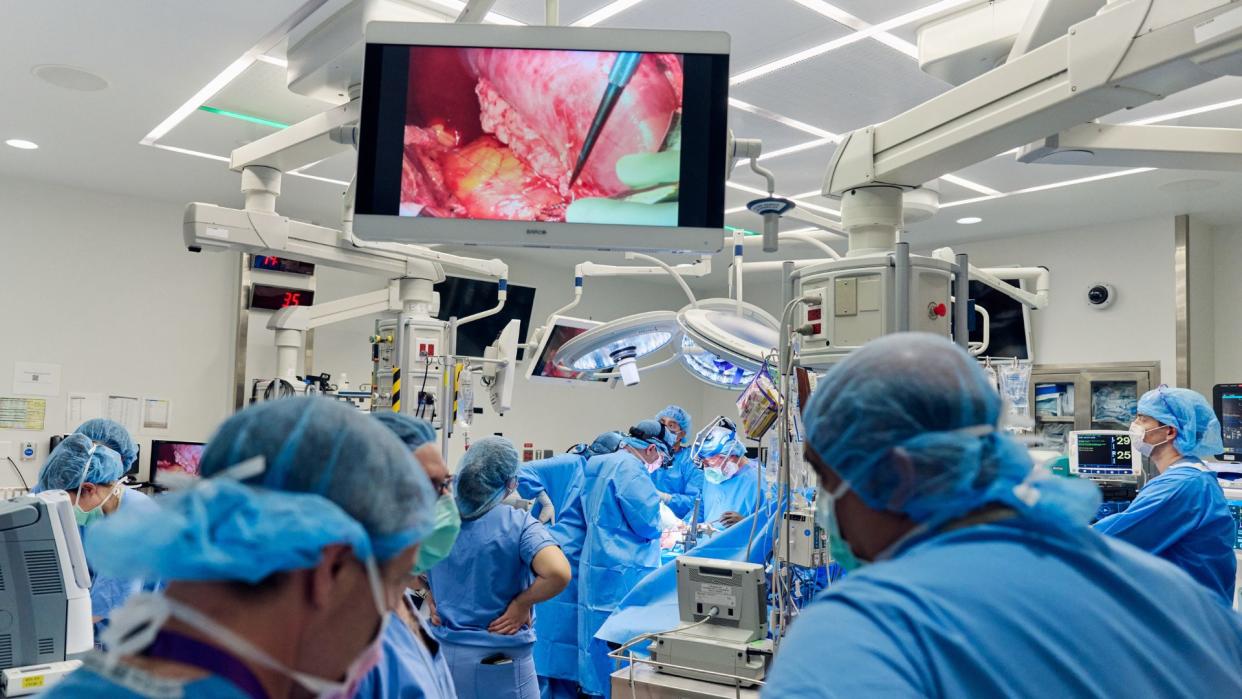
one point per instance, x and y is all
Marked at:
(1227, 398)
(1010, 329)
(181, 458)
(542, 368)
(461, 297)
(543, 136)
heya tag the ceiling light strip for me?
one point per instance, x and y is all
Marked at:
(972, 186)
(780, 118)
(1052, 185)
(1184, 113)
(243, 117)
(456, 6)
(187, 151)
(234, 69)
(605, 13)
(798, 148)
(870, 31)
(279, 62)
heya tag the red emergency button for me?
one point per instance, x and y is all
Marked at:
(942, 310)
(937, 310)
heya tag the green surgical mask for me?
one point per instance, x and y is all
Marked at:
(826, 519)
(439, 542)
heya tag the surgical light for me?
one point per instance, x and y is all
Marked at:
(618, 344)
(722, 347)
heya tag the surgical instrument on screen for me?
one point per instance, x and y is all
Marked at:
(623, 68)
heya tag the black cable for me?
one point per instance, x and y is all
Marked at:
(422, 389)
(19, 472)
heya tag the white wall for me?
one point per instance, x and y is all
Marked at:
(1201, 309)
(103, 286)
(1227, 255)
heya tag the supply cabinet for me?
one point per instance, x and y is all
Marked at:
(1087, 397)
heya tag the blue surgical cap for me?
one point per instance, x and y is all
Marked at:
(606, 443)
(113, 435)
(923, 396)
(63, 470)
(410, 430)
(650, 432)
(483, 475)
(326, 474)
(680, 416)
(1198, 430)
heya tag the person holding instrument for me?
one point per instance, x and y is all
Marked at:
(503, 563)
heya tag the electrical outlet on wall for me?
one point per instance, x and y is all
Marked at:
(28, 451)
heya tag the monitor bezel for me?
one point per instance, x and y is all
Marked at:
(538, 234)
(549, 327)
(1218, 407)
(1136, 460)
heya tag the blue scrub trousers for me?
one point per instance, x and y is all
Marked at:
(476, 680)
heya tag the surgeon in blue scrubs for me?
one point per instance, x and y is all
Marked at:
(680, 482)
(1180, 515)
(412, 664)
(731, 492)
(91, 473)
(503, 563)
(982, 578)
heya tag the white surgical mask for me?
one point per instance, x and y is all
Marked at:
(1138, 435)
(135, 625)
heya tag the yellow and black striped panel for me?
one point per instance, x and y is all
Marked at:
(396, 390)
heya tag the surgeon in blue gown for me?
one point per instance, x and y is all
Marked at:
(680, 482)
(503, 563)
(732, 489)
(413, 665)
(622, 507)
(91, 473)
(1181, 515)
(556, 620)
(984, 579)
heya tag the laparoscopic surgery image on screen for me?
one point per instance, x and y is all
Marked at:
(543, 135)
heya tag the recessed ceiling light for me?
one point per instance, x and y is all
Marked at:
(69, 77)
(21, 143)
(1192, 185)
(969, 220)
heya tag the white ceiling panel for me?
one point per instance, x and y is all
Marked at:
(773, 134)
(1008, 175)
(215, 134)
(1214, 92)
(876, 11)
(797, 172)
(262, 91)
(857, 85)
(533, 11)
(338, 167)
(759, 33)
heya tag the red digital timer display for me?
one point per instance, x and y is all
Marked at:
(274, 298)
(271, 263)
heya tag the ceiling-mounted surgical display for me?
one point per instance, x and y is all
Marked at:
(543, 136)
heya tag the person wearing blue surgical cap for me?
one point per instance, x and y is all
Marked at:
(1181, 515)
(732, 492)
(982, 577)
(91, 473)
(113, 435)
(680, 482)
(623, 541)
(503, 564)
(413, 663)
(282, 562)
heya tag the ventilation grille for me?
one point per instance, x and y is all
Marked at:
(44, 572)
(6, 650)
(47, 646)
(2, 588)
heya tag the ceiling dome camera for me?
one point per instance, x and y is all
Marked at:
(1101, 296)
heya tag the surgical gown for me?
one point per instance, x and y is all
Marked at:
(108, 593)
(409, 668)
(1182, 517)
(123, 682)
(489, 565)
(1006, 610)
(737, 494)
(682, 480)
(622, 547)
(556, 620)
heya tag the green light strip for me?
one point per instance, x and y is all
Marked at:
(744, 231)
(244, 117)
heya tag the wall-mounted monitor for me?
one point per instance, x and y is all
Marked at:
(461, 297)
(543, 136)
(181, 458)
(1227, 399)
(560, 329)
(1010, 334)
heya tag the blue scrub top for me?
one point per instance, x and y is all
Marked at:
(1182, 516)
(1007, 610)
(109, 593)
(409, 669)
(738, 494)
(488, 566)
(682, 480)
(124, 682)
